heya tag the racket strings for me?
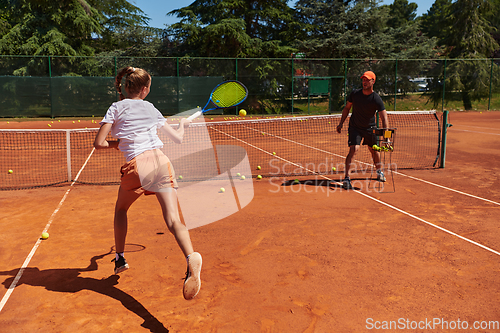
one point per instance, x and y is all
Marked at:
(229, 94)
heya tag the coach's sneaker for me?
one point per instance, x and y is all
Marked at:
(192, 283)
(380, 176)
(120, 264)
(346, 184)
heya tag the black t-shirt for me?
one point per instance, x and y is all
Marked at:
(364, 108)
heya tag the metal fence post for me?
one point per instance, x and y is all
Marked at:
(395, 84)
(292, 80)
(491, 82)
(50, 90)
(444, 86)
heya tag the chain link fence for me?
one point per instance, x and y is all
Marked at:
(50, 86)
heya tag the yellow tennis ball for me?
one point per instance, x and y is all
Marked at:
(258, 167)
(222, 190)
(242, 177)
(238, 174)
(243, 112)
(11, 171)
(259, 177)
(180, 177)
(274, 153)
(334, 169)
(45, 235)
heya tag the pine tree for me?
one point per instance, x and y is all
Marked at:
(231, 28)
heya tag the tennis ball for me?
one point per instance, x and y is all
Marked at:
(49, 125)
(274, 153)
(222, 190)
(180, 177)
(238, 174)
(296, 181)
(11, 171)
(334, 169)
(45, 235)
(242, 177)
(243, 112)
(259, 177)
(258, 167)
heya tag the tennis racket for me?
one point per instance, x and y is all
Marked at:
(226, 95)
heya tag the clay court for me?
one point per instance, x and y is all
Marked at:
(303, 257)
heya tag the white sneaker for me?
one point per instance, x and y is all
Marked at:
(380, 176)
(192, 283)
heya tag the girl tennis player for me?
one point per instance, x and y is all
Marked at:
(134, 122)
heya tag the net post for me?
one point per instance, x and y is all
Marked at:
(443, 138)
(68, 153)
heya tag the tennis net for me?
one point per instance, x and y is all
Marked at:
(274, 147)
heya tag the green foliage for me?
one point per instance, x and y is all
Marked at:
(437, 21)
(361, 29)
(231, 28)
(44, 27)
(401, 13)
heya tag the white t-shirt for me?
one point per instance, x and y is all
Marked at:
(135, 123)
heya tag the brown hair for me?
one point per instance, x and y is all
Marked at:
(135, 80)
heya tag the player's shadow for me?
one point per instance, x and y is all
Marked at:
(67, 280)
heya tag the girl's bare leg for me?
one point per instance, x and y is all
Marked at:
(123, 203)
(168, 203)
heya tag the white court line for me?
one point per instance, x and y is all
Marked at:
(37, 244)
(389, 205)
(449, 189)
(462, 130)
(481, 127)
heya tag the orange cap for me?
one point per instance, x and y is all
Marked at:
(369, 75)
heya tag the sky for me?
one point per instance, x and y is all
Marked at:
(157, 9)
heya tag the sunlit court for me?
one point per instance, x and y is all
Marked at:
(285, 166)
(300, 255)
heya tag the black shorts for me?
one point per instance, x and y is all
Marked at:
(357, 134)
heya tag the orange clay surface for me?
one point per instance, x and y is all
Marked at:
(298, 258)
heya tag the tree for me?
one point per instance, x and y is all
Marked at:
(124, 25)
(401, 13)
(44, 27)
(470, 41)
(341, 29)
(231, 28)
(67, 27)
(359, 29)
(437, 21)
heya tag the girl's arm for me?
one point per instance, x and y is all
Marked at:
(176, 135)
(100, 141)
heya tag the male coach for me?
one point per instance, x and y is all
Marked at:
(364, 103)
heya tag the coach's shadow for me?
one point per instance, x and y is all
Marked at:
(331, 184)
(67, 280)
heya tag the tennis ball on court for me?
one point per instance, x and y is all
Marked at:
(243, 112)
(180, 177)
(274, 153)
(258, 167)
(296, 181)
(334, 169)
(238, 174)
(11, 171)
(45, 235)
(259, 177)
(49, 125)
(222, 190)
(242, 177)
